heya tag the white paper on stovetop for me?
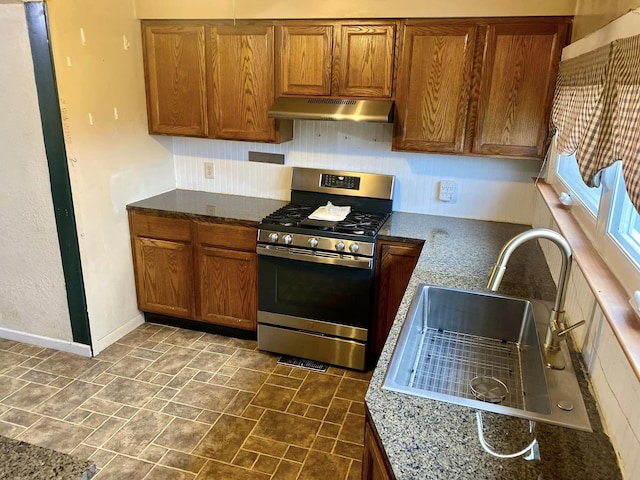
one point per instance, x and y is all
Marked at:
(330, 212)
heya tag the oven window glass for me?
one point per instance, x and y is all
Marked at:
(331, 293)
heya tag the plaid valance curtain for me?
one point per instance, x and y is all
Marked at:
(577, 105)
(596, 111)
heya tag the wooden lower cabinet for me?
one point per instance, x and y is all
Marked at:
(395, 263)
(375, 465)
(163, 264)
(164, 276)
(195, 270)
(228, 287)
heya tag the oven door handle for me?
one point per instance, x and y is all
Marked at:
(312, 256)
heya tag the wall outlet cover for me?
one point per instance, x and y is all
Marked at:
(447, 191)
(208, 170)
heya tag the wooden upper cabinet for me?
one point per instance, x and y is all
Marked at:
(174, 60)
(434, 82)
(478, 86)
(516, 88)
(241, 81)
(337, 59)
(305, 60)
(364, 60)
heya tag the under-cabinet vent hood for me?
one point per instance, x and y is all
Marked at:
(380, 111)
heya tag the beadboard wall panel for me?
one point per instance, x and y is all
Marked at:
(488, 188)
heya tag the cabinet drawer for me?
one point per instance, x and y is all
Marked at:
(231, 236)
(165, 228)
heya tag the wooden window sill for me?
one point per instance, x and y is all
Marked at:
(606, 288)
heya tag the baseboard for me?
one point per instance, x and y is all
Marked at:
(40, 341)
(117, 334)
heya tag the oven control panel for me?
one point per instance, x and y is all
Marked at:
(299, 240)
(340, 181)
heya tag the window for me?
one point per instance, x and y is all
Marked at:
(570, 175)
(612, 222)
(624, 222)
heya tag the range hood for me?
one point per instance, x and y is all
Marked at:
(379, 111)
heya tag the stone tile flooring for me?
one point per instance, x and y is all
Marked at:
(166, 403)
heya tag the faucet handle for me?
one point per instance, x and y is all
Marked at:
(563, 332)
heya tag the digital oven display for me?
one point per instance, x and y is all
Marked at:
(340, 181)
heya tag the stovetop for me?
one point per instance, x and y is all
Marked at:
(294, 217)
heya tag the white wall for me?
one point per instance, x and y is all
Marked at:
(32, 289)
(112, 162)
(489, 189)
(590, 15)
(349, 9)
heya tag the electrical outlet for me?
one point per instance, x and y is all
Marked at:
(208, 170)
(448, 191)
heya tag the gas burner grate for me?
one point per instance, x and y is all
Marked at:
(356, 223)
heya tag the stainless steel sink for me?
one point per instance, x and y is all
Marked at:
(454, 338)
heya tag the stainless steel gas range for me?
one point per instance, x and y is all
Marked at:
(315, 276)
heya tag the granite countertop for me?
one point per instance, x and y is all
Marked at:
(217, 207)
(428, 439)
(23, 461)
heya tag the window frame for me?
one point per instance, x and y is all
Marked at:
(586, 219)
(576, 191)
(597, 228)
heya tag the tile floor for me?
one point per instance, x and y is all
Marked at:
(165, 403)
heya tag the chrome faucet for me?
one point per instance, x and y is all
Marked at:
(557, 328)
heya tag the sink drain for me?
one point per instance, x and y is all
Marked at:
(488, 389)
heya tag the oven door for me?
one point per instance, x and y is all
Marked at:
(302, 284)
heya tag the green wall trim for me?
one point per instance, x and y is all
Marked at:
(51, 118)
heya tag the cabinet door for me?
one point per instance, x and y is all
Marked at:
(305, 60)
(374, 464)
(241, 86)
(432, 95)
(516, 90)
(164, 276)
(363, 60)
(395, 264)
(228, 288)
(174, 62)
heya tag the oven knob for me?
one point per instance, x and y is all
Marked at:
(354, 247)
(313, 242)
(288, 239)
(340, 246)
(273, 237)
